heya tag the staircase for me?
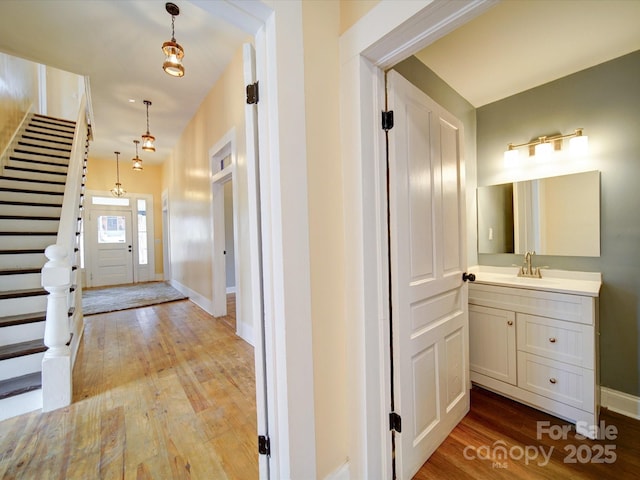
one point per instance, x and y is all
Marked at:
(32, 187)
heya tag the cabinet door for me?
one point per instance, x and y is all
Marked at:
(492, 343)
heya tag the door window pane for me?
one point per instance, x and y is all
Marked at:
(142, 232)
(111, 229)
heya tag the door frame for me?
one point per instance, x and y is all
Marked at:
(89, 236)
(389, 33)
(225, 147)
(277, 31)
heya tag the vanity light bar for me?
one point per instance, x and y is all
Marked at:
(548, 143)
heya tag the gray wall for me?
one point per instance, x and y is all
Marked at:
(230, 258)
(605, 101)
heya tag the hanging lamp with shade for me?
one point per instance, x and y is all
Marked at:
(173, 51)
(137, 161)
(147, 138)
(117, 190)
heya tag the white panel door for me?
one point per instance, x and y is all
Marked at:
(112, 251)
(429, 298)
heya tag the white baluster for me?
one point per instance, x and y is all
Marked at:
(56, 364)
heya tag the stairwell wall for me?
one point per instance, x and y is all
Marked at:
(18, 94)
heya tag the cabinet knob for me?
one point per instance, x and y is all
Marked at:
(553, 380)
(510, 322)
(552, 339)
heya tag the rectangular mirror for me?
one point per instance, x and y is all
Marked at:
(551, 216)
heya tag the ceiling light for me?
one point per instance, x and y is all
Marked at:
(544, 146)
(147, 138)
(117, 190)
(172, 50)
(137, 162)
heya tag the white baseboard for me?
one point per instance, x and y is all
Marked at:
(342, 473)
(231, 289)
(200, 300)
(620, 402)
(245, 332)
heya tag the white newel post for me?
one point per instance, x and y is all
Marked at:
(56, 364)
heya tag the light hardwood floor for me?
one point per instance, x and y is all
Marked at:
(167, 392)
(162, 392)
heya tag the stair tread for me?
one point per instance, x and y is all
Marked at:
(20, 271)
(49, 117)
(21, 251)
(29, 204)
(28, 217)
(24, 151)
(28, 234)
(37, 138)
(22, 319)
(33, 170)
(27, 190)
(31, 180)
(26, 292)
(26, 143)
(33, 131)
(19, 385)
(21, 349)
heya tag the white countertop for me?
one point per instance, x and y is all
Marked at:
(561, 281)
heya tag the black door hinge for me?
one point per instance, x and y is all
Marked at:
(395, 422)
(264, 445)
(252, 93)
(387, 120)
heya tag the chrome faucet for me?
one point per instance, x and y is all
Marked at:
(527, 270)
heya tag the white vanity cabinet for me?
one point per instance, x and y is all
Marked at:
(538, 345)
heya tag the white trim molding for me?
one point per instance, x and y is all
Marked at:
(620, 402)
(203, 302)
(341, 473)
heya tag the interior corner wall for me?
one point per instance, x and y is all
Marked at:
(351, 11)
(63, 93)
(605, 101)
(101, 176)
(18, 94)
(186, 175)
(426, 80)
(326, 233)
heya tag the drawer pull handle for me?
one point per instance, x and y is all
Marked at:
(510, 322)
(553, 380)
(552, 340)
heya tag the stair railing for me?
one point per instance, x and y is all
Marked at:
(57, 279)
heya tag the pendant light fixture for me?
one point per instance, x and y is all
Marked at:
(147, 138)
(172, 50)
(117, 190)
(137, 162)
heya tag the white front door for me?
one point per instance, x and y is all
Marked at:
(427, 249)
(112, 252)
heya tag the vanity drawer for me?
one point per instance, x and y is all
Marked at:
(567, 342)
(559, 381)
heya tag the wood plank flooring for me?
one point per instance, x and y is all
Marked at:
(162, 392)
(495, 421)
(167, 392)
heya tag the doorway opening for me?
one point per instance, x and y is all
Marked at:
(117, 240)
(225, 221)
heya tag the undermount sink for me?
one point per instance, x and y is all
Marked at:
(563, 281)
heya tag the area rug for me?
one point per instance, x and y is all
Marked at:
(123, 297)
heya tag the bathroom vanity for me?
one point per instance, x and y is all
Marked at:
(536, 340)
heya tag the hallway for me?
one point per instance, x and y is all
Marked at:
(160, 392)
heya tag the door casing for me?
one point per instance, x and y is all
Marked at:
(389, 33)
